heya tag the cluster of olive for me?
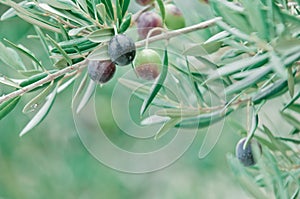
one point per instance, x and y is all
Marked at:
(122, 50)
(150, 19)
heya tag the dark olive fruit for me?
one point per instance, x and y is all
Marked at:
(144, 2)
(147, 64)
(121, 49)
(146, 22)
(174, 18)
(246, 156)
(101, 71)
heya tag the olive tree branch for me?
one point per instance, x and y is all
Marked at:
(164, 36)
(174, 33)
(47, 79)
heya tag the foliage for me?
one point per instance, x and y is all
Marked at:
(257, 47)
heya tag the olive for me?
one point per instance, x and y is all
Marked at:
(174, 18)
(121, 49)
(246, 156)
(101, 71)
(147, 64)
(146, 22)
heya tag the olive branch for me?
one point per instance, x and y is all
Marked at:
(251, 48)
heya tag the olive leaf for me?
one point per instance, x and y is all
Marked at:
(162, 9)
(101, 35)
(157, 84)
(7, 106)
(86, 96)
(11, 57)
(166, 127)
(41, 114)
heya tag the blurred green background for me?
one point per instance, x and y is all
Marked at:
(51, 161)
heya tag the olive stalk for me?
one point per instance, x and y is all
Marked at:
(82, 64)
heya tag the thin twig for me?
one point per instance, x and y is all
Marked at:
(174, 33)
(47, 79)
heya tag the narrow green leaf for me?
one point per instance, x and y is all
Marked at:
(126, 23)
(205, 119)
(61, 63)
(12, 12)
(179, 112)
(157, 84)
(166, 127)
(43, 40)
(295, 107)
(109, 8)
(248, 81)
(154, 119)
(289, 140)
(7, 106)
(64, 54)
(40, 22)
(11, 57)
(8, 82)
(100, 53)
(202, 49)
(101, 35)
(196, 89)
(278, 65)
(36, 78)
(25, 52)
(57, 12)
(271, 91)
(257, 15)
(118, 11)
(125, 7)
(37, 101)
(29, 73)
(291, 120)
(142, 91)
(162, 9)
(83, 5)
(280, 146)
(80, 89)
(41, 114)
(281, 191)
(239, 65)
(232, 14)
(101, 11)
(87, 96)
(66, 84)
(61, 4)
(291, 82)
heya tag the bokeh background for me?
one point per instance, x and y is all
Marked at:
(51, 161)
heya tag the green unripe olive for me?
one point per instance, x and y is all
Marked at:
(174, 18)
(246, 156)
(121, 49)
(101, 71)
(147, 64)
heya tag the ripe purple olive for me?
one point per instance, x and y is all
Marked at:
(246, 156)
(146, 22)
(121, 50)
(147, 64)
(144, 2)
(174, 18)
(101, 71)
